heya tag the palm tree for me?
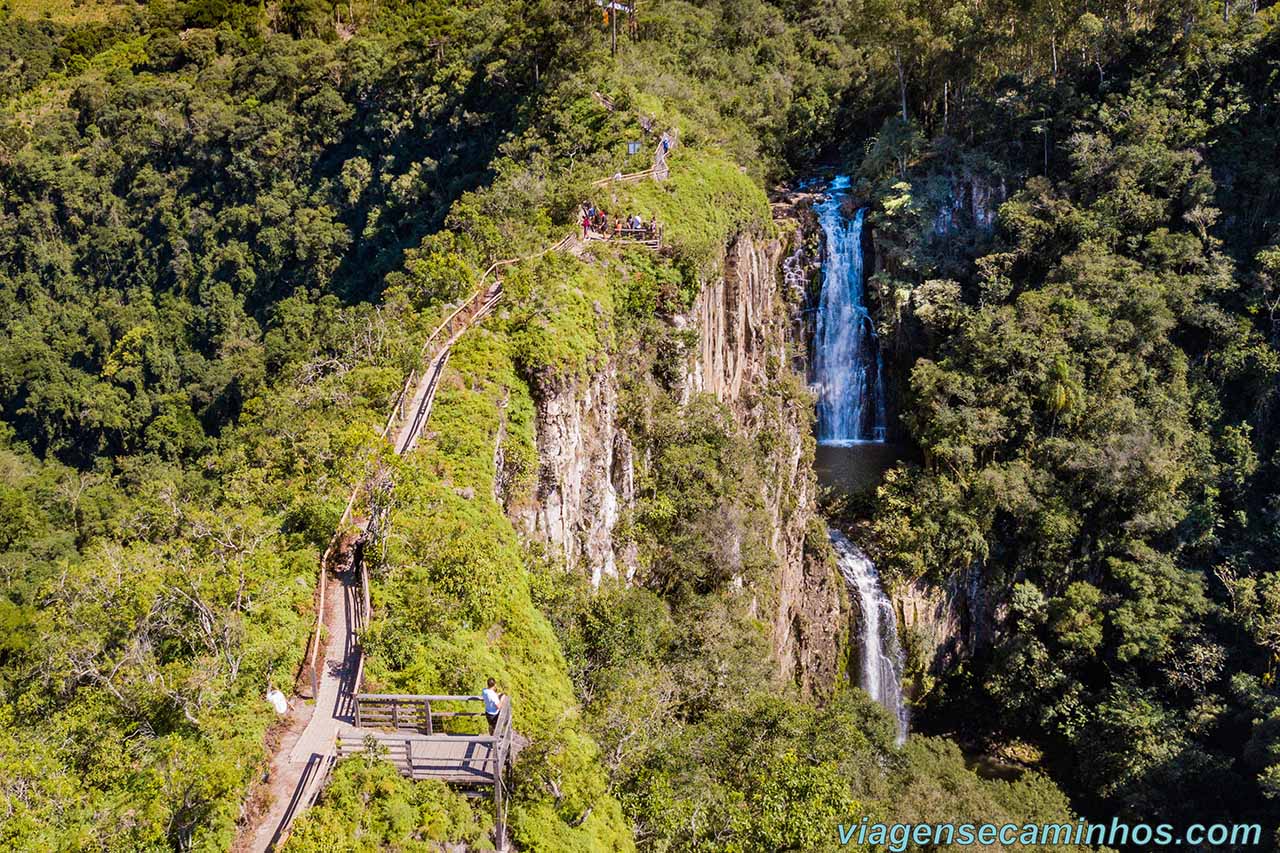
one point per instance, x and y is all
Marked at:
(1062, 392)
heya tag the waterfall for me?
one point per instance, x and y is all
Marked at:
(849, 376)
(848, 369)
(882, 656)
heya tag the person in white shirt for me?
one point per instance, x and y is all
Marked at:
(277, 699)
(492, 698)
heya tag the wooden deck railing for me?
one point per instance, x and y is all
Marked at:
(426, 753)
(651, 237)
(364, 612)
(628, 178)
(313, 785)
(659, 171)
(407, 712)
(310, 671)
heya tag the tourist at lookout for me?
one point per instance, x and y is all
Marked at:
(492, 699)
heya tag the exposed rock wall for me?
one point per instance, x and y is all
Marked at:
(586, 460)
(945, 625)
(738, 323)
(585, 477)
(743, 323)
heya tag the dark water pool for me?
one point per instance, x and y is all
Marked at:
(854, 467)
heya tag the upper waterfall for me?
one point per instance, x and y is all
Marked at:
(847, 367)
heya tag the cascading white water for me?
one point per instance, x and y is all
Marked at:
(882, 656)
(846, 364)
(851, 410)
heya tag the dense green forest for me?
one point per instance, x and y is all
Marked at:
(225, 229)
(1092, 385)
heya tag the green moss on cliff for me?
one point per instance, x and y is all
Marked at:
(705, 203)
(561, 314)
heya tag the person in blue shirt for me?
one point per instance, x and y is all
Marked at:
(492, 699)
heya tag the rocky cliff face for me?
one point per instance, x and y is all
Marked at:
(743, 323)
(585, 477)
(586, 460)
(737, 321)
(938, 624)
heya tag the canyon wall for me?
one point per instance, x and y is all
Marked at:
(743, 322)
(740, 321)
(585, 477)
(942, 626)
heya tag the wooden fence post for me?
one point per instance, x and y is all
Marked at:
(500, 827)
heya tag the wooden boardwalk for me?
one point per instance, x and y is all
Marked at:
(344, 722)
(301, 764)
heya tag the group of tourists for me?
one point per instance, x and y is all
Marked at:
(596, 221)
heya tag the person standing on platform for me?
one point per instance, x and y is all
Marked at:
(492, 703)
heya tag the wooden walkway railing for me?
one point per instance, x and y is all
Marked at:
(482, 759)
(402, 711)
(309, 676)
(386, 725)
(659, 171)
(648, 237)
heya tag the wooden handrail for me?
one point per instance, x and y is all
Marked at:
(441, 738)
(365, 603)
(502, 730)
(366, 613)
(629, 177)
(645, 236)
(415, 697)
(314, 642)
(398, 404)
(323, 771)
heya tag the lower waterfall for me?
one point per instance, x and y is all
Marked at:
(882, 658)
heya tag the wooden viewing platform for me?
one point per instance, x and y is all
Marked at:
(649, 237)
(405, 730)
